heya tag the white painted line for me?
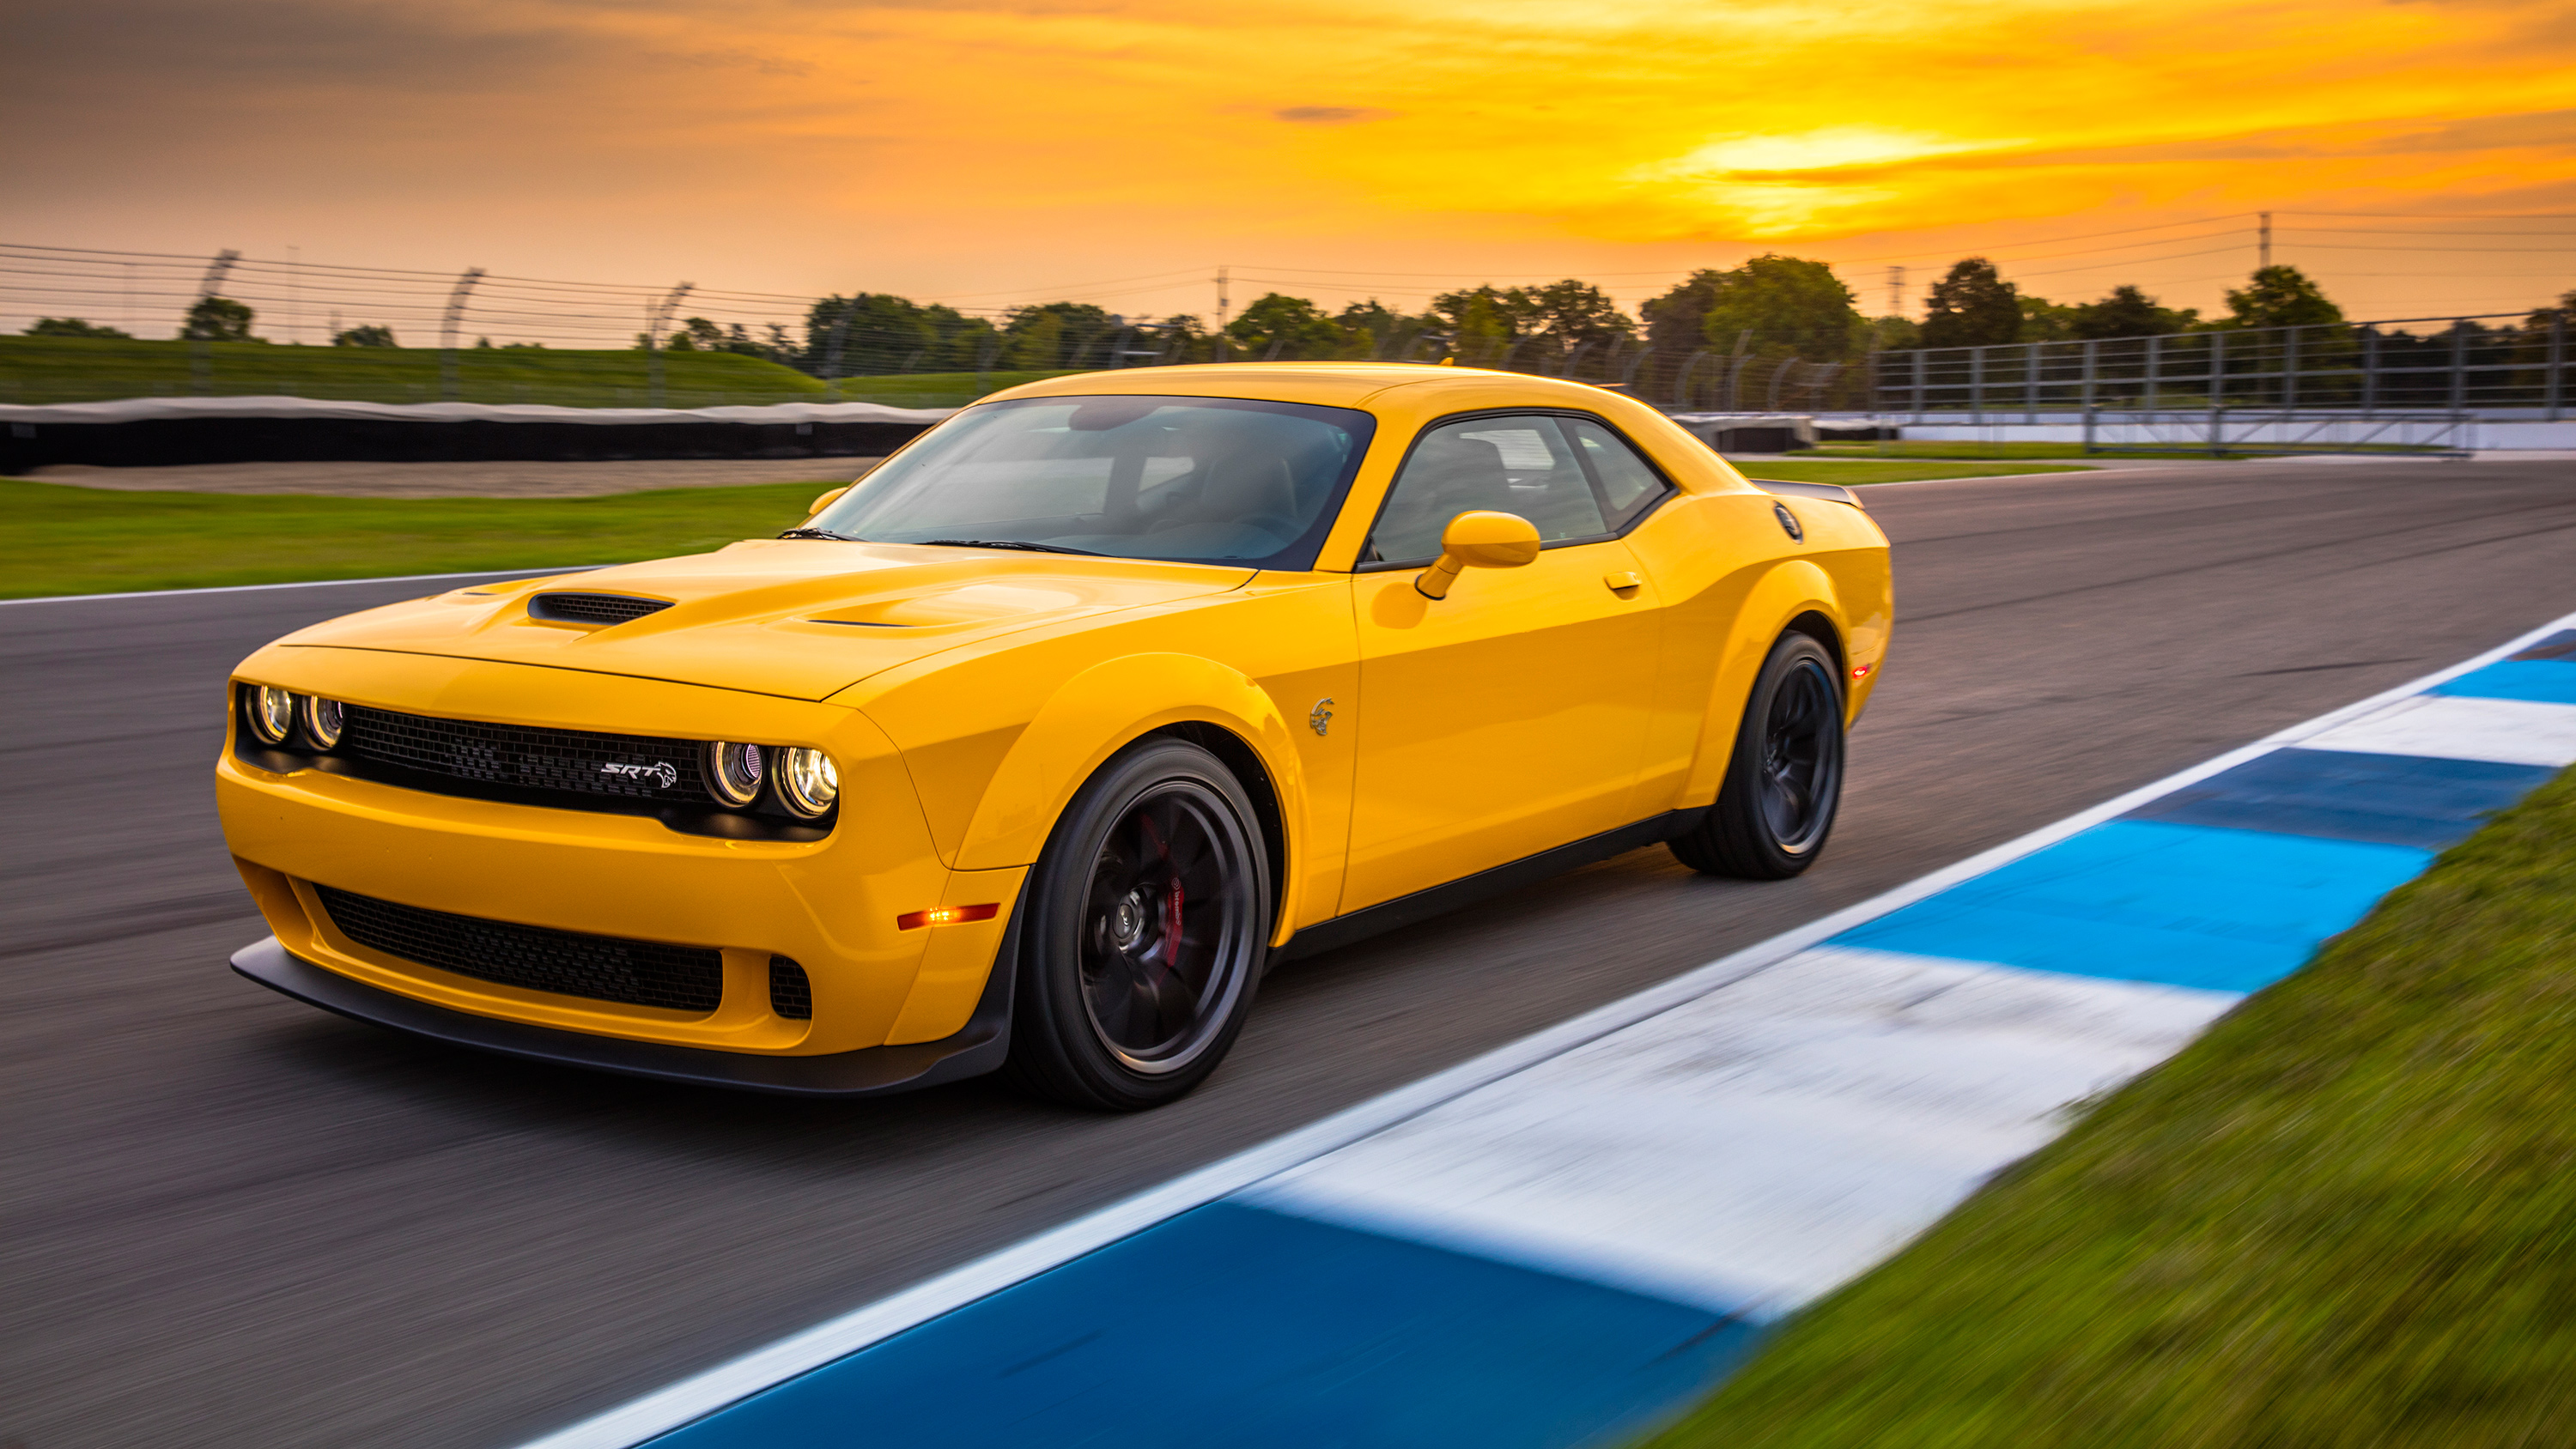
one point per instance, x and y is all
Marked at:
(701, 1394)
(2461, 727)
(307, 584)
(1754, 1149)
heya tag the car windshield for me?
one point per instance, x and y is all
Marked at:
(1186, 479)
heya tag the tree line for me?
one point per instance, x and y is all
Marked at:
(1771, 307)
(1771, 316)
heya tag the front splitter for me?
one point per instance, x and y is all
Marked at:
(871, 1071)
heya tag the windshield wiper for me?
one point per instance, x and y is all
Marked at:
(1007, 543)
(820, 533)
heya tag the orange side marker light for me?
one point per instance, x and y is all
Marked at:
(1860, 671)
(946, 916)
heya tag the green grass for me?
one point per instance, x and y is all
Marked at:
(62, 540)
(1964, 449)
(2344, 1218)
(1972, 449)
(84, 369)
(67, 540)
(1853, 474)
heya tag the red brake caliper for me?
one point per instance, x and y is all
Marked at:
(1171, 902)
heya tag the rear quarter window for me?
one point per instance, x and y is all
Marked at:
(1629, 485)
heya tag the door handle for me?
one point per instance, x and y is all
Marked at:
(1624, 584)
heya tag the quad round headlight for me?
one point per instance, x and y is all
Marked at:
(734, 772)
(808, 781)
(272, 714)
(321, 719)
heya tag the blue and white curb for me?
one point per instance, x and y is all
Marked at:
(1562, 1242)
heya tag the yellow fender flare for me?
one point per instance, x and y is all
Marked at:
(1103, 710)
(1791, 588)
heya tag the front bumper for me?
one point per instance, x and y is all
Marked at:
(870, 1071)
(833, 905)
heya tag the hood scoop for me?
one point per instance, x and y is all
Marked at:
(595, 609)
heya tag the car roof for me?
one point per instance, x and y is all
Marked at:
(1329, 384)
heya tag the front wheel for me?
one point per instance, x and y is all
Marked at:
(1785, 780)
(1147, 917)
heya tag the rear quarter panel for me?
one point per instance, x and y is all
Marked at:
(1733, 581)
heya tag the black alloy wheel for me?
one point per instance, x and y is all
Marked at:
(1149, 916)
(1784, 782)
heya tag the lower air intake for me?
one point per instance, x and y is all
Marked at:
(791, 995)
(592, 608)
(567, 963)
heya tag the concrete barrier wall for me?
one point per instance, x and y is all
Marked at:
(147, 432)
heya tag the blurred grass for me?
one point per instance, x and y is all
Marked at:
(1956, 450)
(63, 540)
(1971, 449)
(1855, 474)
(91, 369)
(2345, 1218)
(67, 540)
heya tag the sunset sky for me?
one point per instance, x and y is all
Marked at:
(1118, 150)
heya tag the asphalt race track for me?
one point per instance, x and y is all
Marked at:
(229, 1219)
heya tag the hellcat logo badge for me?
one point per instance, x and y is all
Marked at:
(1320, 718)
(660, 772)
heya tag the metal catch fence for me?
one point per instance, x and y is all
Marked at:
(2500, 363)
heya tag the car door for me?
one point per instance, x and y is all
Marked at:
(1510, 716)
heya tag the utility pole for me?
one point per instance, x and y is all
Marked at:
(832, 355)
(295, 295)
(1896, 291)
(2263, 241)
(1221, 303)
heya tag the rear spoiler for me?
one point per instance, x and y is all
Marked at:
(1834, 491)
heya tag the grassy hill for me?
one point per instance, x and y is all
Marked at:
(86, 369)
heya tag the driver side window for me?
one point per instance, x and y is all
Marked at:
(1506, 464)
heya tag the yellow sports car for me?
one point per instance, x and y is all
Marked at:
(1035, 747)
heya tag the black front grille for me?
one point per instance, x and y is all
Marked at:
(593, 608)
(568, 963)
(791, 992)
(633, 767)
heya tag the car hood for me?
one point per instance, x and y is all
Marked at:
(792, 617)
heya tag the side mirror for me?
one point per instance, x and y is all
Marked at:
(1479, 540)
(826, 500)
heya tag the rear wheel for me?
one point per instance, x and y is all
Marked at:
(1147, 918)
(1785, 781)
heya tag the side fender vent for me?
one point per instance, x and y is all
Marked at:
(592, 608)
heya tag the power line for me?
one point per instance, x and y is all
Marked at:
(2053, 240)
(2447, 215)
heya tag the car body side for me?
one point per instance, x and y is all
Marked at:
(957, 757)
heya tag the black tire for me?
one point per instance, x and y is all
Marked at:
(1147, 920)
(1785, 781)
